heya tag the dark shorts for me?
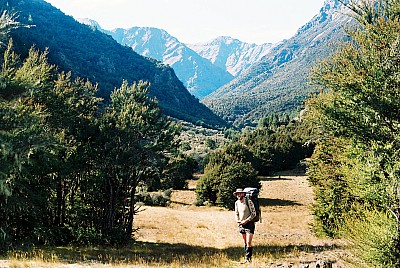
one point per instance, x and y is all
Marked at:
(247, 228)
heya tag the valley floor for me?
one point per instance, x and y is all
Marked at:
(184, 235)
(284, 236)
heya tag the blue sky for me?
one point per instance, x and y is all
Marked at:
(192, 21)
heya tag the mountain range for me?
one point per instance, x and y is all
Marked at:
(278, 83)
(94, 55)
(202, 67)
(239, 82)
(268, 79)
(231, 54)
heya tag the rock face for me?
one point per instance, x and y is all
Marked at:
(199, 75)
(202, 67)
(231, 54)
(278, 84)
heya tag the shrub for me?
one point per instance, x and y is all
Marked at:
(177, 172)
(236, 175)
(218, 183)
(373, 235)
(161, 199)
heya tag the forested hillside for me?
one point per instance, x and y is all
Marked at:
(279, 83)
(91, 54)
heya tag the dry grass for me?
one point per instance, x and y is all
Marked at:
(184, 235)
(283, 236)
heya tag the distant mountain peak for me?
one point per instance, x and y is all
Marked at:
(231, 54)
(93, 55)
(89, 22)
(278, 83)
(226, 39)
(202, 67)
(199, 75)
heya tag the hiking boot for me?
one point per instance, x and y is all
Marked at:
(249, 254)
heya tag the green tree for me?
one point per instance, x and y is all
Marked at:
(226, 170)
(236, 175)
(45, 128)
(177, 172)
(359, 102)
(278, 149)
(27, 150)
(70, 166)
(133, 143)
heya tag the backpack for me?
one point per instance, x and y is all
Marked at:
(252, 194)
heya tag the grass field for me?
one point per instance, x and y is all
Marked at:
(183, 235)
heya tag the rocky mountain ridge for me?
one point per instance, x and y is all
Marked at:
(199, 75)
(279, 84)
(202, 67)
(231, 54)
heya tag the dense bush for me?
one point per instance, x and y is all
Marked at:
(160, 199)
(236, 175)
(276, 148)
(69, 163)
(331, 190)
(373, 235)
(356, 173)
(262, 151)
(177, 171)
(226, 171)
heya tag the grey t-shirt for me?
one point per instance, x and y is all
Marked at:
(244, 212)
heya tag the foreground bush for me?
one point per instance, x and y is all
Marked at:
(226, 171)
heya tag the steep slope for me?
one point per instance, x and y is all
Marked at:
(199, 75)
(91, 54)
(279, 82)
(231, 54)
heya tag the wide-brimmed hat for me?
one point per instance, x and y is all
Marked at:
(238, 190)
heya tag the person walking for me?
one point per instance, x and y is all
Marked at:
(245, 212)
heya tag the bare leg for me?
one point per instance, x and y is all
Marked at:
(249, 250)
(244, 238)
(249, 238)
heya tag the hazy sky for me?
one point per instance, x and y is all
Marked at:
(192, 21)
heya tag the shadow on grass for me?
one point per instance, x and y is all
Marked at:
(160, 253)
(276, 178)
(180, 203)
(270, 202)
(278, 251)
(284, 175)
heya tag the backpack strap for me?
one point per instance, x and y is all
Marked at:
(251, 211)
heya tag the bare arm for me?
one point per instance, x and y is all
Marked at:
(236, 213)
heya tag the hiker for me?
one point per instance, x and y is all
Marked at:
(245, 212)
